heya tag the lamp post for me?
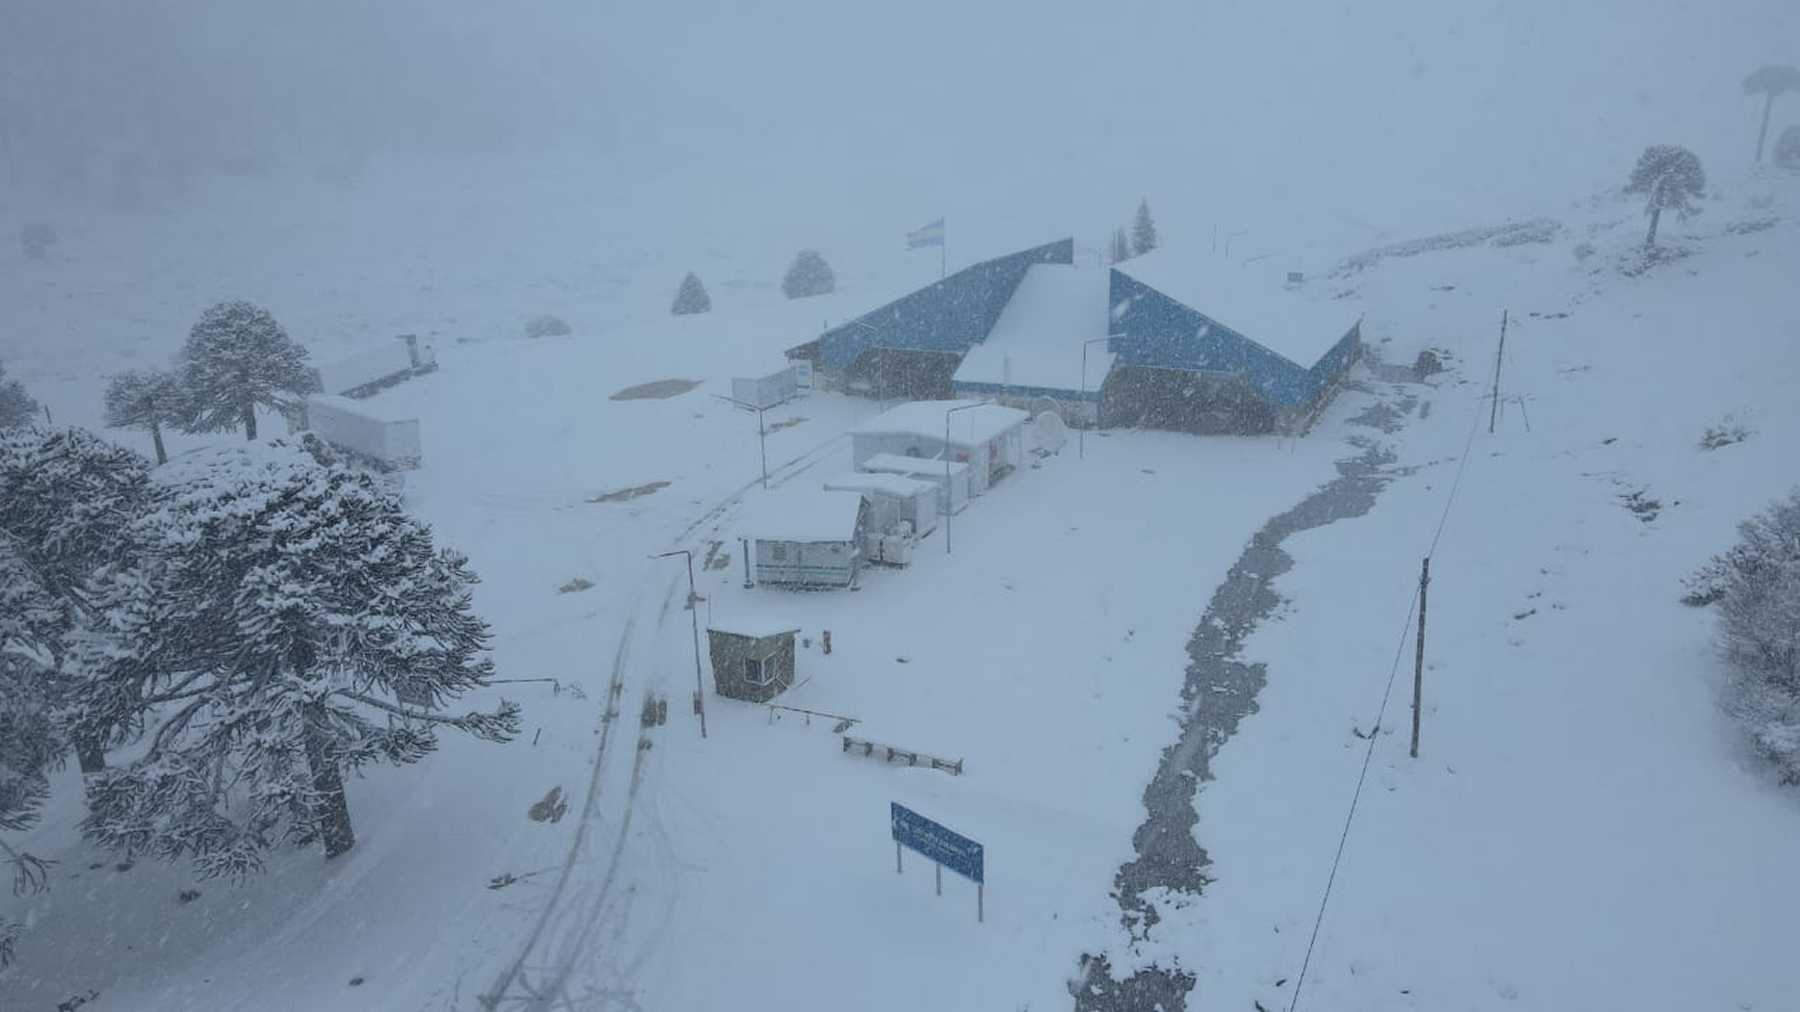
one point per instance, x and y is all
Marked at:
(762, 431)
(1081, 434)
(694, 621)
(948, 503)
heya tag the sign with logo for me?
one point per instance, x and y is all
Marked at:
(950, 849)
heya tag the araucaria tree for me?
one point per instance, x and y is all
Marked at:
(286, 623)
(16, 406)
(68, 503)
(691, 297)
(1758, 586)
(147, 399)
(1143, 230)
(1770, 81)
(1121, 246)
(1672, 178)
(237, 357)
(808, 275)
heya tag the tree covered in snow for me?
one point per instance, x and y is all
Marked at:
(691, 297)
(236, 357)
(145, 399)
(1120, 250)
(68, 502)
(1757, 586)
(1769, 82)
(16, 406)
(1143, 230)
(808, 275)
(1672, 179)
(285, 623)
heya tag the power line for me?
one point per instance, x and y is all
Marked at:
(1381, 714)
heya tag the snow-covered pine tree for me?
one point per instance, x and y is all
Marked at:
(691, 297)
(279, 613)
(236, 357)
(16, 406)
(1143, 230)
(1121, 246)
(1758, 583)
(1672, 177)
(145, 399)
(808, 275)
(68, 503)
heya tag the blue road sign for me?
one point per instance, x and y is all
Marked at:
(952, 850)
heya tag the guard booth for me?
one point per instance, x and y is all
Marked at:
(751, 660)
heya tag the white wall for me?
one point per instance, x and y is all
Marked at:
(346, 423)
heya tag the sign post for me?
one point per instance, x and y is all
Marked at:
(944, 847)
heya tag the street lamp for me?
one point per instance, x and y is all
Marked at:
(762, 431)
(1081, 434)
(949, 504)
(694, 620)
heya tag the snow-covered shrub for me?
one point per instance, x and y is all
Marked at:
(1725, 433)
(1427, 364)
(16, 406)
(1758, 592)
(36, 238)
(808, 275)
(1583, 250)
(1787, 149)
(691, 297)
(545, 325)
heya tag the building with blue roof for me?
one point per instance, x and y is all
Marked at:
(1207, 347)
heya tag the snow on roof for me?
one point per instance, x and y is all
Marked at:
(753, 625)
(361, 408)
(1299, 322)
(889, 484)
(802, 515)
(903, 464)
(1037, 340)
(926, 419)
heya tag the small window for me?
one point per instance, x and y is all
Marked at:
(778, 552)
(758, 672)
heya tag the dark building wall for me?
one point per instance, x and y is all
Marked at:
(1208, 404)
(911, 375)
(729, 651)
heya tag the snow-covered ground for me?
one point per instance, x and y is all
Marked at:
(1582, 829)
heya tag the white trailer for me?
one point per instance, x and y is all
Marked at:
(807, 539)
(360, 429)
(893, 499)
(952, 483)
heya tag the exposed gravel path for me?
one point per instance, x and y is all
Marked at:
(1220, 690)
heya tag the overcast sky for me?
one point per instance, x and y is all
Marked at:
(1368, 110)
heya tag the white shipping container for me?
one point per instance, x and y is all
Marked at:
(352, 425)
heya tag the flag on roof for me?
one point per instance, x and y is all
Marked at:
(930, 235)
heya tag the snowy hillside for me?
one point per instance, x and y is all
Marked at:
(1583, 829)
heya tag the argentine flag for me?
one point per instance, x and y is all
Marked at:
(930, 235)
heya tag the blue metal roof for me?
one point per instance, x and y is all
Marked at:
(951, 315)
(1152, 330)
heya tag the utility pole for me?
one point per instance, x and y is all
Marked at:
(1494, 409)
(694, 620)
(1419, 657)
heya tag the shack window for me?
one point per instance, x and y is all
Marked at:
(758, 671)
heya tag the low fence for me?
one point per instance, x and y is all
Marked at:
(889, 753)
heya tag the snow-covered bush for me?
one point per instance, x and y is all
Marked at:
(545, 325)
(691, 297)
(808, 275)
(1427, 364)
(1757, 586)
(1787, 149)
(1725, 433)
(36, 238)
(16, 406)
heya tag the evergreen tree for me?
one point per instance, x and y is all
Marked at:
(1143, 230)
(1121, 246)
(68, 501)
(148, 399)
(286, 622)
(691, 297)
(1787, 148)
(1770, 81)
(1673, 179)
(16, 406)
(236, 357)
(808, 275)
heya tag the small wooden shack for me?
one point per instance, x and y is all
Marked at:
(751, 659)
